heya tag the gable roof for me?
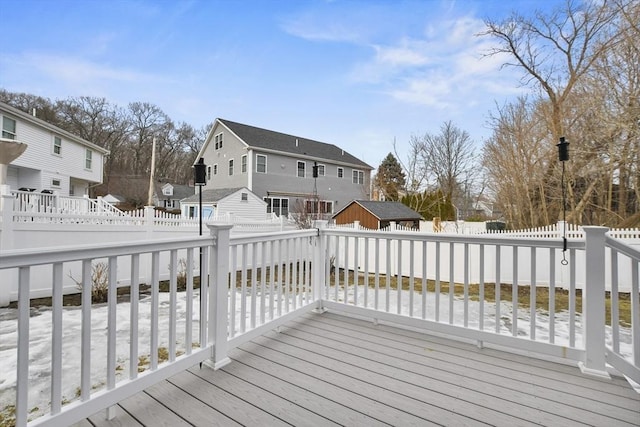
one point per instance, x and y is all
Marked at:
(213, 195)
(39, 122)
(180, 191)
(265, 139)
(386, 211)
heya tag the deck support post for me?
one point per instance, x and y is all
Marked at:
(318, 265)
(593, 303)
(219, 295)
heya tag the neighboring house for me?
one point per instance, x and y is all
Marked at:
(167, 195)
(232, 202)
(54, 161)
(114, 199)
(375, 214)
(279, 168)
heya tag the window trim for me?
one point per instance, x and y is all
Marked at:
(304, 169)
(243, 163)
(356, 175)
(231, 166)
(218, 139)
(340, 173)
(88, 159)
(53, 183)
(322, 167)
(58, 146)
(258, 163)
(244, 197)
(215, 169)
(9, 134)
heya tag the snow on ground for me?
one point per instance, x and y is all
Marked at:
(40, 336)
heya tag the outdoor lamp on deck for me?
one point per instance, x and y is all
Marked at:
(200, 179)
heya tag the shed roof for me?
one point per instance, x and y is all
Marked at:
(213, 195)
(271, 140)
(386, 211)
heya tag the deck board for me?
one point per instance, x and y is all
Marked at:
(420, 363)
(335, 370)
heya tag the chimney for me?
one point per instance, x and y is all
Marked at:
(296, 142)
(34, 111)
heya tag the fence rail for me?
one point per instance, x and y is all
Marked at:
(257, 282)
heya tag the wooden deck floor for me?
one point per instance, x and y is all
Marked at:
(334, 370)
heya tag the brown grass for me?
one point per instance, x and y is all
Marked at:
(542, 297)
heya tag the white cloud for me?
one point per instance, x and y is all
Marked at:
(75, 75)
(445, 68)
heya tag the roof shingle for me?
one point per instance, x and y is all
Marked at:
(271, 140)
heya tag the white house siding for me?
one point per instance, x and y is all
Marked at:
(42, 163)
(253, 208)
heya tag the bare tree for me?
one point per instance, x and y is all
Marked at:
(514, 158)
(555, 51)
(449, 158)
(100, 122)
(414, 170)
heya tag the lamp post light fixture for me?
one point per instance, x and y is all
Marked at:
(200, 179)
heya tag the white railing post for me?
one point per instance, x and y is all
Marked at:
(7, 242)
(149, 219)
(318, 266)
(219, 294)
(593, 303)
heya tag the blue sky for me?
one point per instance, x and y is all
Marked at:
(353, 73)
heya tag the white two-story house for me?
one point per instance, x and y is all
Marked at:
(54, 161)
(280, 168)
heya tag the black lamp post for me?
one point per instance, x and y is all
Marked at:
(200, 179)
(563, 156)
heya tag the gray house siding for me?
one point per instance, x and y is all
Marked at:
(280, 179)
(232, 149)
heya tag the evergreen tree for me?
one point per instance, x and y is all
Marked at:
(390, 178)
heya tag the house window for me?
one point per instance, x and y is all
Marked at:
(277, 205)
(301, 169)
(57, 145)
(243, 164)
(8, 128)
(340, 172)
(261, 163)
(230, 167)
(320, 170)
(319, 206)
(215, 169)
(55, 183)
(244, 197)
(87, 159)
(208, 173)
(218, 141)
(358, 177)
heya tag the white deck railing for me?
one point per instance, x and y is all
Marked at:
(259, 282)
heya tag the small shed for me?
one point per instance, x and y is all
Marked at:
(218, 203)
(375, 215)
